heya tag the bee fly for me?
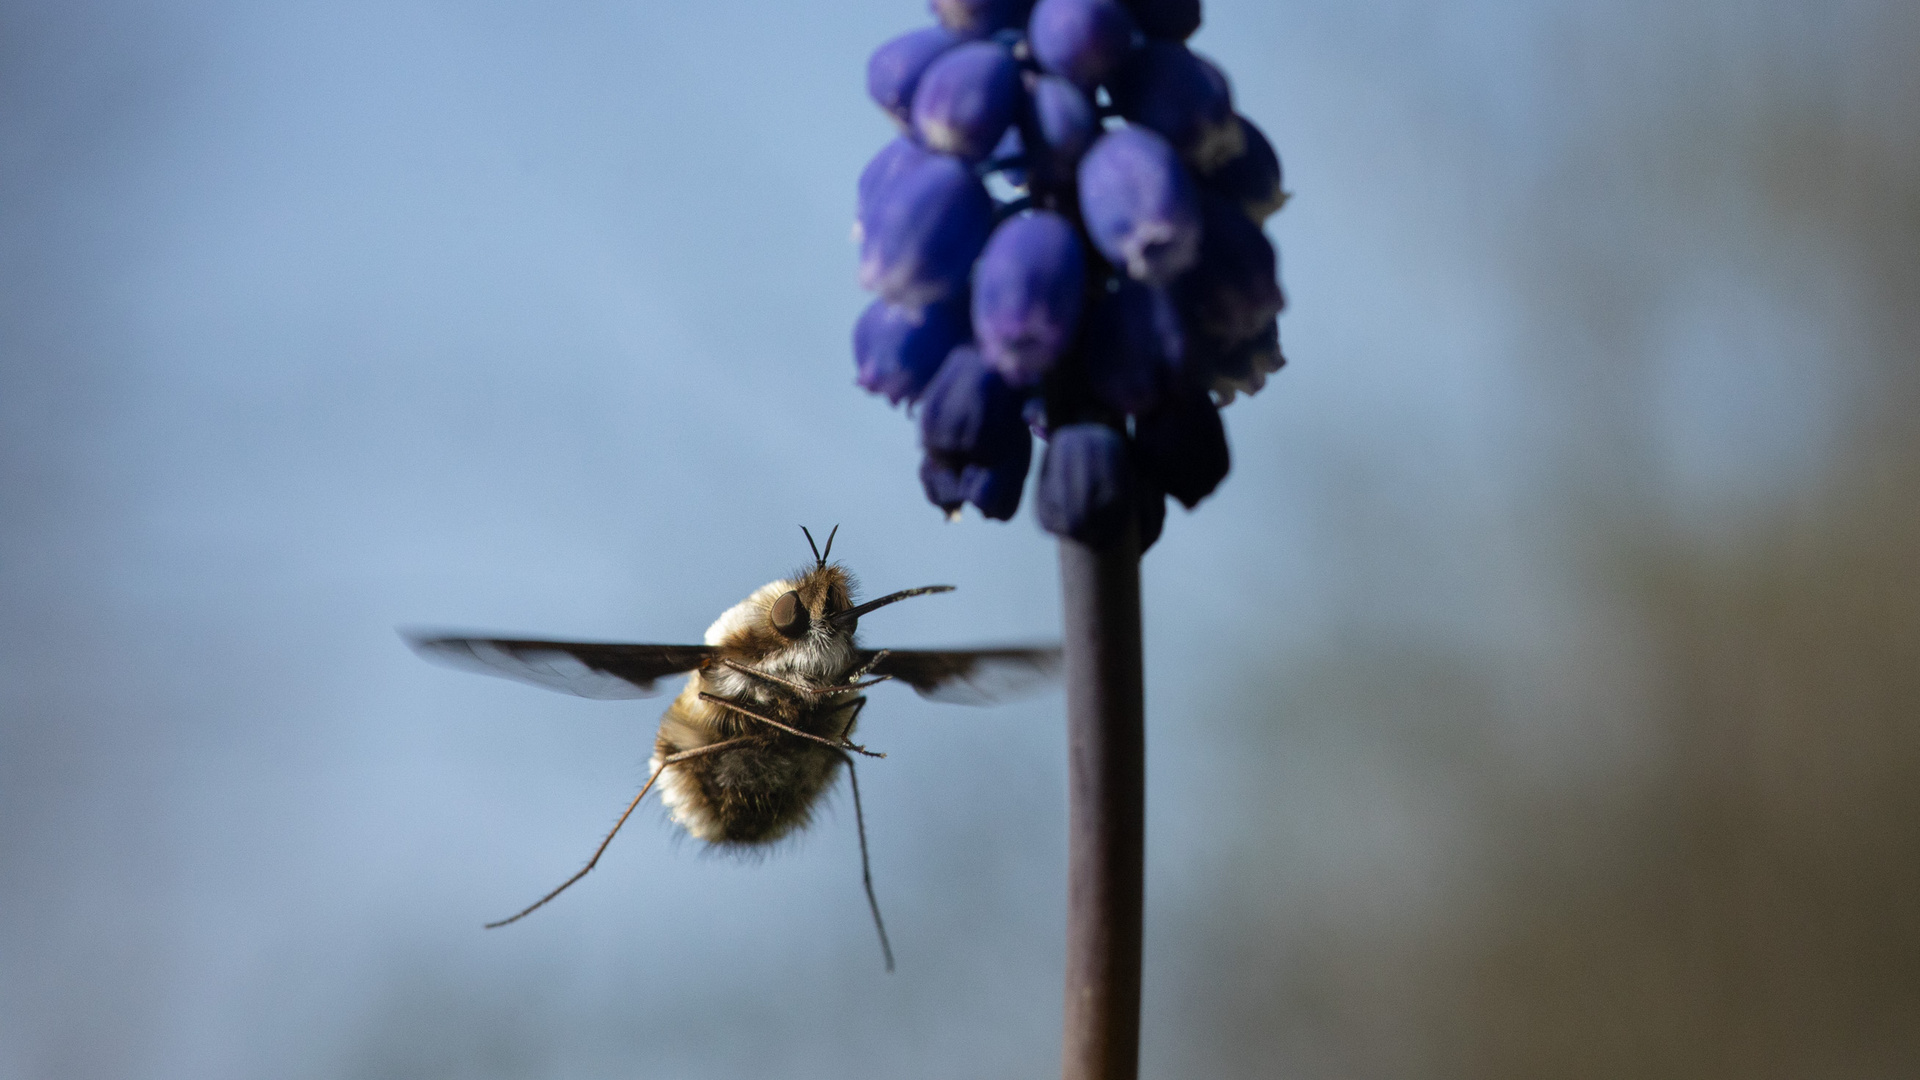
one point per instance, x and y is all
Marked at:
(765, 721)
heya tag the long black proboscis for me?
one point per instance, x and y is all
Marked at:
(853, 613)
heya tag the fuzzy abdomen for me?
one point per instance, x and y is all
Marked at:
(755, 793)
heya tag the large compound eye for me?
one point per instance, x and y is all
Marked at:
(789, 615)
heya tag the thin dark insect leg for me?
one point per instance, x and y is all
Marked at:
(800, 687)
(872, 662)
(866, 867)
(858, 705)
(671, 759)
(744, 711)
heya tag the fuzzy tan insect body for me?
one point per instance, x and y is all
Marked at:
(763, 790)
(765, 722)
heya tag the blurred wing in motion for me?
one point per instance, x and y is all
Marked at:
(970, 676)
(587, 669)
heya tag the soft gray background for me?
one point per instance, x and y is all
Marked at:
(1537, 697)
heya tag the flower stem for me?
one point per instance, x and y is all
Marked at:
(1106, 793)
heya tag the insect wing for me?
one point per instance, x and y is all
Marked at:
(583, 668)
(970, 676)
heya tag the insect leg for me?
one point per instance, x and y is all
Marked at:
(789, 729)
(866, 868)
(871, 663)
(670, 759)
(800, 687)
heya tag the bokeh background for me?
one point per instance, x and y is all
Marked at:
(1540, 696)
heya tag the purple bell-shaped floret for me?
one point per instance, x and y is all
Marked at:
(1133, 347)
(896, 350)
(967, 99)
(1231, 293)
(1081, 40)
(1086, 485)
(1184, 445)
(1253, 179)
(1027, 292)
(1057, 126)
(1175, 20)
(1140, 207)
(1239, 369)
(969, 413)
(889, 162)
(1165, 87)
(993, 487)
(895, 68)
(940, 480)
(921, 231)
(978, 18)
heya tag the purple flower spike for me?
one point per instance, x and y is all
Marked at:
(1133, 346)
(1175, 20)
(1081, 40)
(999, 325)
(967, 99)
(978, 18)
(969, 413)
(1057, 127)
(1086, 485)
(1139, 205)
(1026, 295)
(1230, 295)
(895, 68)
(1167, 88)
(893, 159)
(1184, 445)
(921, 231)
(896, 350)
(1253, 178)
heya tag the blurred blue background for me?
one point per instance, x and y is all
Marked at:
(1539, 697)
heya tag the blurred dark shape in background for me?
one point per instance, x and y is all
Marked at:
(1738, 896)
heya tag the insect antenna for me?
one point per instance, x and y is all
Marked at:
(820, 557)
(866, 867)
(671, 759)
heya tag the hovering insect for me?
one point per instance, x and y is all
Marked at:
(760, 731)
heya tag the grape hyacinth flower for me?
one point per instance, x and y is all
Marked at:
(1140, 207)
(896, 350)
(966, 100)
(1057, 126)
(1173, 20)
(1081, 40)
(1169, 89)
(1026, 295)
(894, 70)
(978, 18)
(921, 229)
(1253, 178)
(1108, 294)
(1134, 347)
